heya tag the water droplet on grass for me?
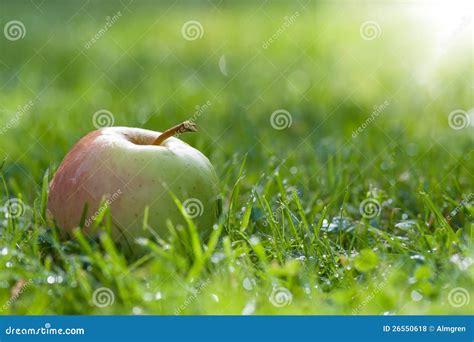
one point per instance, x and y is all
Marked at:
(142, 241)
(307, 289)
(408, 224)
(418, 257)
(249, 308)
(254, 240)
(462, 262)
(137, 310)
(248, 284)
(217, 257)
(416, 296)
(338, 224)
(301, 258)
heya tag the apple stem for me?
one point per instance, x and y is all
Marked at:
(183, 127)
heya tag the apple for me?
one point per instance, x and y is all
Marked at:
(128, 169)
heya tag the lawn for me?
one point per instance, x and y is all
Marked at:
(341, 133)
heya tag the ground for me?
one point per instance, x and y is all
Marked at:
(340, 133)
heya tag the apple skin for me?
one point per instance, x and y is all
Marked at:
(121, 166)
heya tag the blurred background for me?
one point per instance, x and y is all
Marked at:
(341, 101)
(330, 65)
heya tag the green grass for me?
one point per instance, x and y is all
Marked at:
(291, 197)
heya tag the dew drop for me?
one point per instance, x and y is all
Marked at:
(137, 310)
(248, 283)
(416, 296)
(249, 308)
